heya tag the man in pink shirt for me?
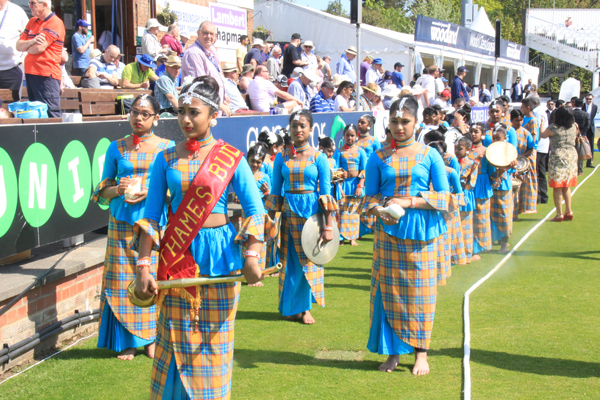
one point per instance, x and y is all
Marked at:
(171, 39)
(263, 93)
(201, 59)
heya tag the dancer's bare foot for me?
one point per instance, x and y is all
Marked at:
(503, 249)
(149, 348)
(307, 318)
(294, 317)
(475, 257)
(353, 243)
(275, 275)
(257, 284)
(421, 365)
(390, 364)
(127, 354)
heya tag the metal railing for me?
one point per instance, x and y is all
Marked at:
(550, 67)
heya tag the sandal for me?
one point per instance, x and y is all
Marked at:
(569, 216)
(558, 218)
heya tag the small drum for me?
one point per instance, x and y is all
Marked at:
(516, 184)
(501, 154)
(315, 250)
(336, 175)
(522, 165)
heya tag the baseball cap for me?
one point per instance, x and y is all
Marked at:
(446, 93)
(398, 64)
(283, 80)
(82, 22)
(296, 36)
(462, 69)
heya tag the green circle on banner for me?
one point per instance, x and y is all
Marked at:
(8, 192)
(75, 179)
(37, 185)
(98, 164)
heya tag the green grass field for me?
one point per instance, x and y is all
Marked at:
(534, 332)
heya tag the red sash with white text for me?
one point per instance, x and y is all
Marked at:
(211, 180)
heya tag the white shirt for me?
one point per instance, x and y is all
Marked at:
(312, 65)
(440, 102)
(14, 24)
(371, 76)
(261, 92)
(150, 45)
(428, 83)
(439, 85)
(540, 113)
(339, 102)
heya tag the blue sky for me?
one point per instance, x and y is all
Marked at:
(322, 4)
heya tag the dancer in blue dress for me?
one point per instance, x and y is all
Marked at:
(369, 144)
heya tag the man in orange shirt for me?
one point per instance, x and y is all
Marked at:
(43, 40)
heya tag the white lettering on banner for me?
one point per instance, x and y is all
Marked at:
(513, 51)
(78, 189)
(189, 16)
(101, 165)
(231, 23)
(442, 33)
(253, 132)
(482, 42)
(226, 17)
(3, 199)
(38, 184)
(479, 114)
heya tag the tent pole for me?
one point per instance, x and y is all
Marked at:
(358, 61)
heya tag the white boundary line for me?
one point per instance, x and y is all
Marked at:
(39, 362)
(466, 318)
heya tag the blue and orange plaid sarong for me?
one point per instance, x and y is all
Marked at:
(482, 229)
(501, 205)
(349, 217)
(204, 358)
(528, 191)
(466, 219)
(458, 243)
(406, 273)
(444, 257)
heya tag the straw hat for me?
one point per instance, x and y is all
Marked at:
(337, 79)
(247, 68)
(308, 43)
(372, 87)
(153, 23)
(94, 53)
(258, 42)
(229, 67)
(296, 72)
(308, 74)
(173, 61)
(352, 50)
(390, 91)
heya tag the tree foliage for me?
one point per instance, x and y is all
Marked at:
(334, 7)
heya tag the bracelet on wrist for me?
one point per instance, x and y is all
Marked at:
(328, 228)
(413, 202)
(250, 253)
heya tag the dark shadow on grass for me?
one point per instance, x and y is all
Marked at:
(95, 353)
(528, 364)
(582, 255)
(258, 315)
(350, 286)
(246, 358)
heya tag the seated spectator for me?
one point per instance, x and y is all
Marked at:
(102, 72)
(246, 77)
(171, 39)
(485, 96)
(255, 55)
(4, 113)
(326, 68)
(442, 99)
(369, 94)
(120, 67)
(165, 89)
(323, 101)
(236, 100)
(301, 88)
(137, 74)
(262, 91)
(66, 82)
(150, 43)
(389, 94)
(311, 63)
(281, 84)
(295, 75)
(342, 100)
(273, 63)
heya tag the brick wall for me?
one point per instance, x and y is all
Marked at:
(45, 305)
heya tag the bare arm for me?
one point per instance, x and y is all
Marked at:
(547, 133)
(287, 96)
(82, 49)
(253, 62)
(172, 99)
(128, 85)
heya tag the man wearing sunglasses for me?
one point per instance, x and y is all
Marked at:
(43, 40)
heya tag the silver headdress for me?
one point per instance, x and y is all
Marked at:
(144, 100)
(187, 97)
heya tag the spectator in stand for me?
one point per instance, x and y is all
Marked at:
(365, 65)
(323, 101)
(246, 77)
(416, 77)
(291, 57)
(102, 72)
(261, 92)
(11, 73)
(368, 97)
(397, 77)
(442, 99)
(440, 84)
(517, 91)
(65, 82)
(428, 83)
(80, 46)
(120, 66)
(373, 74)
(326, 67)
(344, 65)
(171, 39)
(458, 85)
(302, 88)
(202, 59)
(527, 88)
(241, 51)
(43, 40)
(568, 22)
(236, 100)
(138, 74)
(485, 96)
(273, 64)
(590, 108)
(342, 100)
(255, 55)
(281, 84)
(165, 90)
(389, 94)
(4, 113)
(310, 60)
(184, 38)
(150, 43)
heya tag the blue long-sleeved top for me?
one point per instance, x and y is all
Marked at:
(353, 159)
(369, 146)
(388, 176)
(459, 90)
(511, 135)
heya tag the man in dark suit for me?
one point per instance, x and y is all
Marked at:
(582, 119)
(590, 108)
(550, 105)
(517, 91)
